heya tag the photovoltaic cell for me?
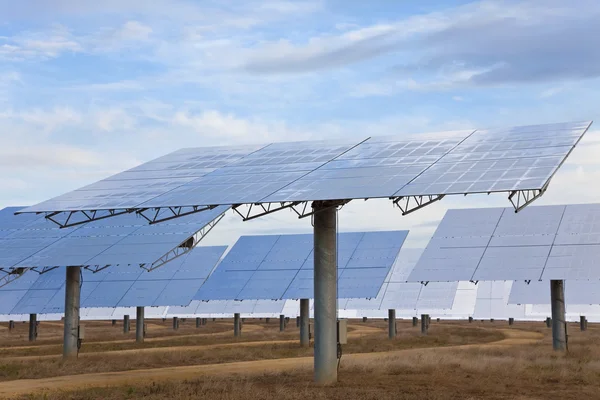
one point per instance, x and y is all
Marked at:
(538, 243)
(279, 267)
(482, 161)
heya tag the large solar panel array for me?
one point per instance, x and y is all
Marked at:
(538, 292)
(482, 161)
(275, 267)
(398, 294)
(33, 241)
(175, 283)
(490, 244)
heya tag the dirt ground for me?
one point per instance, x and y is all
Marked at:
(457, 360)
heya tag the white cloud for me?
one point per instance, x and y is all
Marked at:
(47, 44)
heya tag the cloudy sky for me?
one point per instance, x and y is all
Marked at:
(89, 88)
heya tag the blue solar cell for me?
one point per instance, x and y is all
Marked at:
(143, 293)
(9, 299)
(178, 293)
(200, 262)
(107, 294)
(267, 285)
(34, 301)
(223, 285)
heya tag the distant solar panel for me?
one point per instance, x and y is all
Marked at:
(488, 244)
(276, 267)
(126, 239)
(576, 292)
(397, 294)
(228, 307)
(175, 283)
(483, 161)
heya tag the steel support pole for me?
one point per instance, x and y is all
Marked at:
(325, 281)
(139, 324)
(424, 323)
(72, 299)
(557, 298)
(236, 325)
(582, 324)
(32, 327)
(392, 324)
(304, 318)
(126, 324)
(281, 323)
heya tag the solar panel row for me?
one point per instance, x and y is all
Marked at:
(489, 244)
(482, 161)
(175, 283)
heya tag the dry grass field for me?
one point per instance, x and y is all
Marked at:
(457, 360)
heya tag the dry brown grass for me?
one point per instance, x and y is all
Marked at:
(114, 361)
(524, 372)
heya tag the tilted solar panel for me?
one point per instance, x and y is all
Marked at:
(503, 160)
(175, 283)
(121, 240)
(540, 243)
(276, 267)
(538, 292)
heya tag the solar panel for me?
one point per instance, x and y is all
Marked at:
(540, 243)
(277, 267)
(397, 294)
(125, 239)
(175, 283)
(538, 292)
(482, 161)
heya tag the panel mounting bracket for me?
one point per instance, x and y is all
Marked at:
(257, 210)
(11, 275)
(85, 216)
(153, 215)
(410, 204)
(522, 198)
(185, 247)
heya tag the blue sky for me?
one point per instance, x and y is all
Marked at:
(89, 88)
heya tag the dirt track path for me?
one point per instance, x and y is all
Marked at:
(19, 387)
(248, 328)
(358, 331)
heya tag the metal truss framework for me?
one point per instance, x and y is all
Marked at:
(519, 199)
(184, 247)
(301, 208)
(8, 275)
(410, 204)
(522, 198)
(85, 216)
(12, 274)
